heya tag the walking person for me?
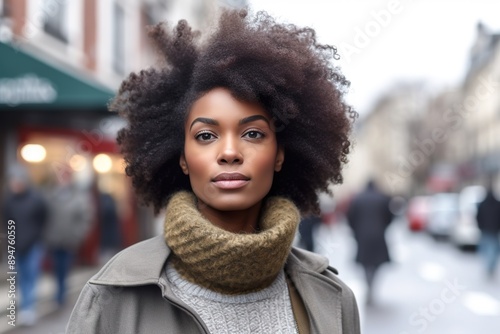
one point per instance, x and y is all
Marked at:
(369, 215)
(109, 223)
(70, 218)
(488, 220)
(307, 228)
(219, 137)
(25, 206)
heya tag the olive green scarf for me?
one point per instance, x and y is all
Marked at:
(228, 262)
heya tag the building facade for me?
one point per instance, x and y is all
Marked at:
(385, 139)
(479, 111)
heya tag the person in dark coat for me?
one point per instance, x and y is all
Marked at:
(488, 220)
(111, 239)
(369, 216)
(25, 212)
(307, 227)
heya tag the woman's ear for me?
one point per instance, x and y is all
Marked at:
(183, 164)
(280, 158)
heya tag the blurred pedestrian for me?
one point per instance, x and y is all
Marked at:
(369, 215)
(488, 220)
(110, 233)
(69, 222)
(307, 228)
(25, 206)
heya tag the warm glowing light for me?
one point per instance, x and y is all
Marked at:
(120, 166)
(77, 162)
(102, 163)
(33, 153)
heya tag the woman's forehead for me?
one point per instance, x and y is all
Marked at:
(220, 104)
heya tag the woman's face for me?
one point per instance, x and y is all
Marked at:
(230, 152)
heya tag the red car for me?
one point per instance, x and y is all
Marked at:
(417, 213)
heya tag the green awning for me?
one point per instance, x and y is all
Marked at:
(27, 81)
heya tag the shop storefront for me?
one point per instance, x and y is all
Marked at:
(53, 121)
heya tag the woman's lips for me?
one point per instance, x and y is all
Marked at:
(230, 184)
(230, 180)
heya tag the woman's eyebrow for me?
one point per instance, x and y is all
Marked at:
(253, 118)
(205, 120)
(245, 120)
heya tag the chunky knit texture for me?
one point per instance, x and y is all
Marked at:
(265, 311)
(227, 262)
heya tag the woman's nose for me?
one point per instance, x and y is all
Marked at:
(230, 152)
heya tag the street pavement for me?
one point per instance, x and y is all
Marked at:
(430, 287)
(52, 319)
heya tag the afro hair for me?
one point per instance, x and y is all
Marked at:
(280, 66)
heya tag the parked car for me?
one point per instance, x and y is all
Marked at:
(417, 213)
(465, 233)
(443, 214)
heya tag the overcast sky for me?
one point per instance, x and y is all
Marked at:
(383, 42)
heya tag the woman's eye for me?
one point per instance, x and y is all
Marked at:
(254, 135)
(205, 136)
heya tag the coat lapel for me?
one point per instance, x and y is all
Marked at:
(322, 296)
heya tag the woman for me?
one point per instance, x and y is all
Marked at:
(235, 136)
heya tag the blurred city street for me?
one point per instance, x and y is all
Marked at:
(430, 287)
(52, 319)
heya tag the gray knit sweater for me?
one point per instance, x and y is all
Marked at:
(265, 311)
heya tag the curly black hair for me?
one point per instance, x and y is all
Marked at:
(280, 66)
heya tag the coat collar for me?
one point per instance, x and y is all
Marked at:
(139, 264)
(322, 296)
(144, 262)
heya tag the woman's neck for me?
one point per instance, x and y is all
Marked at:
(242, 221)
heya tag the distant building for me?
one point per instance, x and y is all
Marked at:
(479, 111)
(384, 140)
(418, 142)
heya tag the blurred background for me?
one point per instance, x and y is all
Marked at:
(425, 80)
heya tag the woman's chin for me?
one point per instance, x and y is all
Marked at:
(228, 203)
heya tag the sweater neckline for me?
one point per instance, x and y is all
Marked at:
(195, 290)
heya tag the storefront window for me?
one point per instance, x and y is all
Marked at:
(51, 155)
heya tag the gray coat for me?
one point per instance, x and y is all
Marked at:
(131, 294)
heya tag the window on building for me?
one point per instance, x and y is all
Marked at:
(154, 12)
(4, 9)
(55, 18)
(5, 21)
(233, 3)
(119, 39)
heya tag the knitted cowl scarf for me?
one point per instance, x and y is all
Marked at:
(227, 262)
